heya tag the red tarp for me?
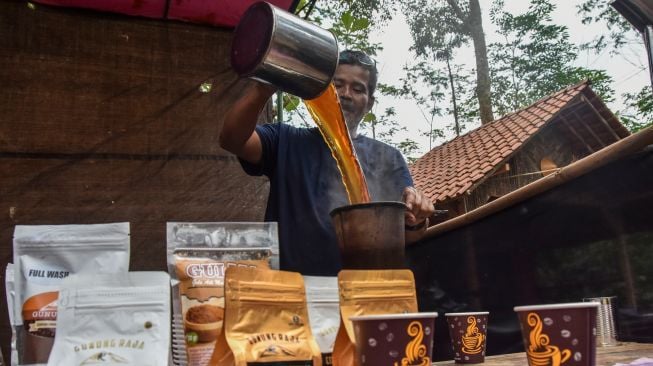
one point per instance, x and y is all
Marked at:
(224, 13)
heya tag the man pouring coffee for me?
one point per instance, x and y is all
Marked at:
(305, 183)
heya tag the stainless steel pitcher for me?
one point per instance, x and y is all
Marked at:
(283, 50)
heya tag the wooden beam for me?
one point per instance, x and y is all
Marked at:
(575, 133)
(575, 102)
(589, 129)
(603, 121)
(502, 169)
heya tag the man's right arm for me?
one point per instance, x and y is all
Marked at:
(237, 135)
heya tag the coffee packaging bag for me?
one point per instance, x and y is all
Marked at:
(198, 256)
(113, 320)
(44, 255)
(266, 321)
(370, 293)
(323, 312)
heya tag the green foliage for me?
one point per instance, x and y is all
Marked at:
(620, 32)
(290, 102)
(426, 86)
(639, 113)
(351, 22)
(536, 58)
(353, 32)
(382, 127)
(600, 80)
(408, 147)
(436, 46)
(450, 33)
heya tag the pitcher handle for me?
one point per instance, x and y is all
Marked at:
(565, 355)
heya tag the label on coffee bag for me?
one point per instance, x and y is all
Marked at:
(266, 320)
(40, 314)
(201, 286)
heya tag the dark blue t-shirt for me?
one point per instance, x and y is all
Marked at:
(305, 185)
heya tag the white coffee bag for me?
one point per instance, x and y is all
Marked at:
(113, 320)
(44, 255)
(323, 312)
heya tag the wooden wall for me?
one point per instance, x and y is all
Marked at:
(550, 142)
(102, 120)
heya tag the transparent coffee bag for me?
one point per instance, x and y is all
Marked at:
(323, 312)
(11, 300)
(266, 321)
(113, 320)
(44, 255)
(198, 256)
(369, 293)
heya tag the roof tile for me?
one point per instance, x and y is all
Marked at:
(449, 170)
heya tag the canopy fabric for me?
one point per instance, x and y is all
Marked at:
(222, 13)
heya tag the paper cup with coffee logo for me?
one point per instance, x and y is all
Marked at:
(559, 334)
(468, 332)
(391, 339)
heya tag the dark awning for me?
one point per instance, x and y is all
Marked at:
(219, 13)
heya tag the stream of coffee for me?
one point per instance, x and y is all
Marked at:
(327, 114)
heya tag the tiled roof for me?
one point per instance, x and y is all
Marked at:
(449, 170)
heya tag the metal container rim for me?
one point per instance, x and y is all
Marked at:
(571, 305)
(269, 10)
(358, 206)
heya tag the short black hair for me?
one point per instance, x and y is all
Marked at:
(360, 58)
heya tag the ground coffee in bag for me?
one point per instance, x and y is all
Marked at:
(44, 255)
(121, 319)
(370, 293)
(198, 256)
(266, 321)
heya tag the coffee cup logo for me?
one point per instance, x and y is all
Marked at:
(472, 339)
(416, 352)
(540, 352)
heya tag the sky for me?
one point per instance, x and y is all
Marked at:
(629, 70)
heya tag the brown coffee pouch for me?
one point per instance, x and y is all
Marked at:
(266, 320)
(370, 293)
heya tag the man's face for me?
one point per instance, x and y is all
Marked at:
(351, 84)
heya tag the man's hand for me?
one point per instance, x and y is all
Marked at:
(418, 206)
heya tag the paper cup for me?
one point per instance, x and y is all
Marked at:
(559, 333)
(468, 332)
(394, 338)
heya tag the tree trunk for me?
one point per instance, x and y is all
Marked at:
(482, 68)
(453, 98)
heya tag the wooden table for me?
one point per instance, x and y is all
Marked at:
(606, 356)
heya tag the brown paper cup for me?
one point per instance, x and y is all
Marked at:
(559, 334)
(468, 332)
(402, 339)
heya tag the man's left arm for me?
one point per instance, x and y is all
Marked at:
(418, 210)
